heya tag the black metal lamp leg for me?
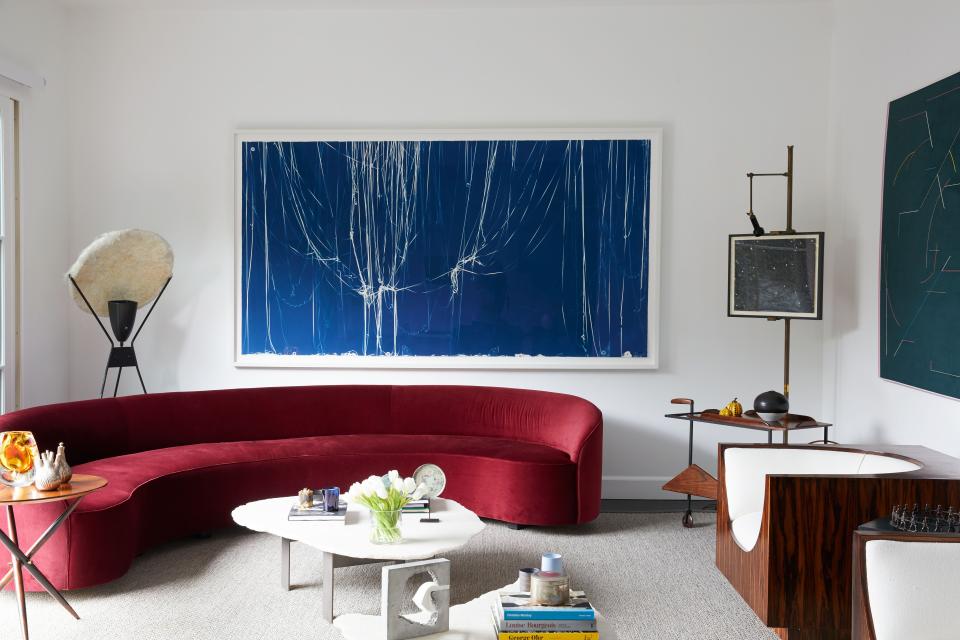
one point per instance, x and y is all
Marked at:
(116, 387)
(103, 385)
(142, 386)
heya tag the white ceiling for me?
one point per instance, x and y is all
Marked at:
(392, 4)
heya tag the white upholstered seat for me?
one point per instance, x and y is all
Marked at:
(913, 589)
(746, 468)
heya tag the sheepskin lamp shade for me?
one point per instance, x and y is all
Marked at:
(116, 274)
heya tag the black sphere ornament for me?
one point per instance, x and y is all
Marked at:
(771, 406)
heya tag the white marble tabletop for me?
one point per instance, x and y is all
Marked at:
(350, 537)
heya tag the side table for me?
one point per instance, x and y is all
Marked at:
(694, 480)
(79, 486)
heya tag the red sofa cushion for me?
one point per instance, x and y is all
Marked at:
(178, 463)
(128, 472)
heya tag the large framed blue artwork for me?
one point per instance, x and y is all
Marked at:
(920, 245)
(448, 249)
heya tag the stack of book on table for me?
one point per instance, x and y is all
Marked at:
(516, 618)
(317, 513)
(417, 506)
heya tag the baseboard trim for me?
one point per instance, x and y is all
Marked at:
(657, 506)
(636, 488)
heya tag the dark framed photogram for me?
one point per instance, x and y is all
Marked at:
(776, 276)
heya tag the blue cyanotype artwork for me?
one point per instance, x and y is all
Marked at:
(445, 248)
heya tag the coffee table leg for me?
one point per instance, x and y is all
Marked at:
(328, 586)
(285, 564)
(18, 575)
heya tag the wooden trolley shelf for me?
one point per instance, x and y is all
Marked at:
(694, 480)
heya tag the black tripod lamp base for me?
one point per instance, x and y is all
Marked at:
(119, 358)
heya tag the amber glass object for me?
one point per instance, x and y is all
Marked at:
(18, 458)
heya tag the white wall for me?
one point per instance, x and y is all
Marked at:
(156, 96)
(883, 49)
(32, 35)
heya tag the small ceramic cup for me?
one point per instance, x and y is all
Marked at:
(523, 578)
(550, 589)
(331, 499)
(552, 562)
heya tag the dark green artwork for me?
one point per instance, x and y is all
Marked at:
(920, 245)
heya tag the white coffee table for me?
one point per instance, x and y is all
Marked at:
(346, 544)
(469, 621)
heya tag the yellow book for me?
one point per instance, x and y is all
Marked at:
(549, 635)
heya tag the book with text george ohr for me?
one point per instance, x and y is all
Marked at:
(549, 635)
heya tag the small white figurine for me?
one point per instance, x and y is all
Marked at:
(61, 463)
(47, 475)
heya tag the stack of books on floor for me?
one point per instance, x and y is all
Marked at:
(517, 619)
(317, 513)
(417, 506)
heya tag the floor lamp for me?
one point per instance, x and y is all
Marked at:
(116, 274)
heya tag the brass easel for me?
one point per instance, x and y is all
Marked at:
(758, 231)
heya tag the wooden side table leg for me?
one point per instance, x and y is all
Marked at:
(18, 575)
(285, 564)
(327, 606)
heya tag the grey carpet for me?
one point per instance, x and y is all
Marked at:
(651, 578)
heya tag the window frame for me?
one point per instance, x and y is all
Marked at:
(9, 201)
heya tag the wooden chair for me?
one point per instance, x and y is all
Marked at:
(786, 517)
(905, 585)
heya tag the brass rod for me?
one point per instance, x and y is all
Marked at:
(789, 188)
(786, 357)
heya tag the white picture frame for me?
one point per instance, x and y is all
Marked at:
(269, 360)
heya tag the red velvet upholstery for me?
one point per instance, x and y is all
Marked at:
(178, 463)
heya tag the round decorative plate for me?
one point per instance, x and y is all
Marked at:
(432, 477)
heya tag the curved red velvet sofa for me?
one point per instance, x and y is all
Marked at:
(178, 463)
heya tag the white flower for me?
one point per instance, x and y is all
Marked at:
(397, 484)
(355, 490)
(409, 486)
(381, 491)
(419, 492)
(392, 476)
(370, 485)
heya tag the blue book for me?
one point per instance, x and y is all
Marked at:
(518, 607)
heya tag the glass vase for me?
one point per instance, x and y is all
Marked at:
(385, 527)
(18, 458)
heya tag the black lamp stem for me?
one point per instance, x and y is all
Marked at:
(92, 312)
(152, 307)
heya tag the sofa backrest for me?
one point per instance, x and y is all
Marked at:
(746, 468)
(95, 429)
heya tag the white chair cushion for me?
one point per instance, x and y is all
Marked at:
(913, 589)
(746, 469)
(746, 529)
(884, 464)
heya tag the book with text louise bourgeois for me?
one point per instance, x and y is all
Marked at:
(548, 635)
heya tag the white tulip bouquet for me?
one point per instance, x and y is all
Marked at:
(385, 496)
